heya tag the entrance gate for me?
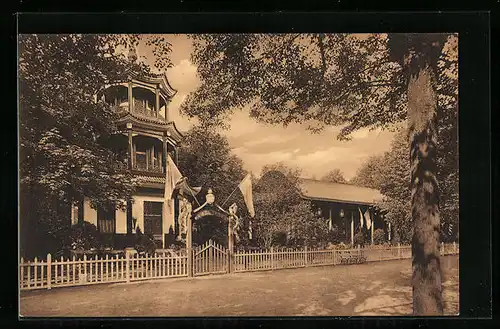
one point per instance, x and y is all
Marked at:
(210, 258)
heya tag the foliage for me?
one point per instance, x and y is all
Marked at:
(334, 176)
(368, 174)
(66, 148)
(145, 243)
(336, 235)
(319, 79)
(205, 157)
(359, 239)
(282, 217)
(378, 236)
(84, 236)
(330, 79)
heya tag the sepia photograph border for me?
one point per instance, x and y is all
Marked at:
(474, 121)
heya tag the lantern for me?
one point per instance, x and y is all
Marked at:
(210, 197)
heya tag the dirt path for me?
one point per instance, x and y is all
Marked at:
(381, 288)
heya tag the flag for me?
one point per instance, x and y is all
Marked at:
(173, 176)
(246, 189)
(250, 230)
(368, 219)
(361, 219)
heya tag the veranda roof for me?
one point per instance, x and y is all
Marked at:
(335, 192)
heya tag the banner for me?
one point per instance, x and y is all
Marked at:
(361, 219)
(368, 219)
(172, 177)
(246, 189)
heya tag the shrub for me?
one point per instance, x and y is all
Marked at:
(144, 243)
(336, 235)
(359, 239)
(83, 236)
(378, 236)
(342, 246)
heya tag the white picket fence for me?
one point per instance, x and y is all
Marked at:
(47, 274)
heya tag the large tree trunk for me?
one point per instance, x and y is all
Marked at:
(422, 106)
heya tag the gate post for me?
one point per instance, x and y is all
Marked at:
(127, 266)
(305, 255)
(189, 247)
(230, 245)
(49, 271)
(272, 258)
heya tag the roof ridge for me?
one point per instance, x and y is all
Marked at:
(332, 183)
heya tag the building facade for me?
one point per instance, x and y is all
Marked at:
(147, 135)
(348, 208)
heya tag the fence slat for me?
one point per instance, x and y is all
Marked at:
(208, 258)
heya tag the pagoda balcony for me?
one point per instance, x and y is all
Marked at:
(120, 109)
(144, 166)
(142, 109)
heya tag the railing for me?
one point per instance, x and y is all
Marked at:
(142, 110)
(120, 109)
(140, 164)
(46, 274)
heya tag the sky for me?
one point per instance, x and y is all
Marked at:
(258, 144)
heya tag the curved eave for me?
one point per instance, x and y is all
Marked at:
(209, 211)
(338, 200)
(142, 121)
(161, 80)
(176, 131)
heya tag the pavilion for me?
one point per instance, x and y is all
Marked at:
(342, 205)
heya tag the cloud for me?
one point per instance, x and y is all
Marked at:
(183, 76)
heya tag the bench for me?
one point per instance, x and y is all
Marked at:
(352, 257)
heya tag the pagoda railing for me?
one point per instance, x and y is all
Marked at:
(141, 164)
(141, 109)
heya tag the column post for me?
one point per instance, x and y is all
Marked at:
(330, 224)
(130, 97)
(166, 111)
(372, 228)
(157, 100)
(130, 161)
(352, 230)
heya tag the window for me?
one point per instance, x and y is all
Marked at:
(106, 220)
(153, 217)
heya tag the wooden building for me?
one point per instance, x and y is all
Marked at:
(146, 134)
(344, 205)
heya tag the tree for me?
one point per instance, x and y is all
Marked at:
(368, 175)
(66, 142)
(334, 176)
(394, 175)
(419, 56)
(337, 79)
(206, 159)
(280, 211)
